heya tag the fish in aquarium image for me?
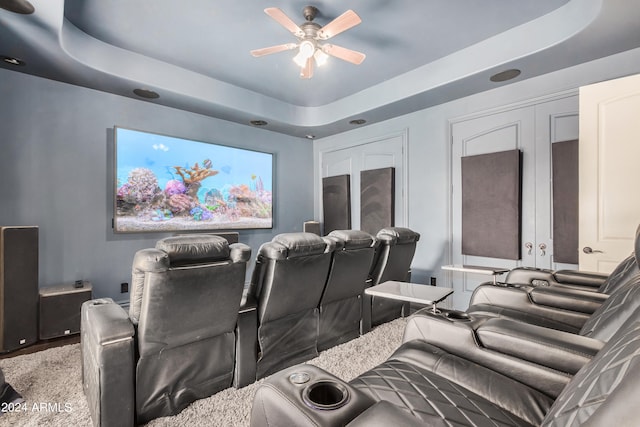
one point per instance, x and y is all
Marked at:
(154, 195)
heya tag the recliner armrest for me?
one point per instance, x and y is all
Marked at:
(108, 362)
(246, 342)
(106, 321)
(286, 399)
(568, 299)
(557, 350)
(582, 278)
(519, 299)
(458, 336)
(529, 276)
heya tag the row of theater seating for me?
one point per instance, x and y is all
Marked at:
(193, 328)
(548, 349)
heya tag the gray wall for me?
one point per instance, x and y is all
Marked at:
(429, 151)
(56, 160)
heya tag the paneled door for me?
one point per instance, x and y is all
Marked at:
(530, 128)
(609, 172)
(380, 153)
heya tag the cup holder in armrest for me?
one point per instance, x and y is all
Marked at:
(325, 395)
(457, 315)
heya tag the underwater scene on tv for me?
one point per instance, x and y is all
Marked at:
(165, 183)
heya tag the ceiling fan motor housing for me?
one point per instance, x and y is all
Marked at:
(309, 12)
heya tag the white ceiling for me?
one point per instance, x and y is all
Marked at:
(195, 54)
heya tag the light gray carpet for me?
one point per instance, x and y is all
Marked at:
(50, 382)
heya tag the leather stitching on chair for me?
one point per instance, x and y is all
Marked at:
(591, 387)
(428, 396)
(625, 299)
(615, 279)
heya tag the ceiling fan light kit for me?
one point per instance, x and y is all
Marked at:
(310, 35)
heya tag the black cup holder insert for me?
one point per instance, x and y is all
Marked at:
(457, 315)
(325, 395)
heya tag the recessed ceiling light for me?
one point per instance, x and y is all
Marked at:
(310, 136)
(358, 122)
(503, 76)
(17, 6)
(146, 93)
(258, 122)
(12, 61)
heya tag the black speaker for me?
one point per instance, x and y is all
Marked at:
(18, 287)
(60, 309)
(311, 227)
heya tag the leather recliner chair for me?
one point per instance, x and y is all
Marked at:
(601, 323)
(177, 343)
(286, 286)
(424, 384)
(392, 261)
(341, 302)
(555, 306)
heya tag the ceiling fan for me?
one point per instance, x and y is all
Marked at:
(311, 37)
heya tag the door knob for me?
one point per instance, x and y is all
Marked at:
(543, 249)
(529, 247)
(588, 250)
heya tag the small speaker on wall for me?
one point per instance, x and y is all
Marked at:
(311, 227)
(60, 309)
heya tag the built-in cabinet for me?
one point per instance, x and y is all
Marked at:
(532, 128)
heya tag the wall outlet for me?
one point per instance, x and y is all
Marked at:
(124, 288)
(432, 281)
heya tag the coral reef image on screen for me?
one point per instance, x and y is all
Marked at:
(167, 184)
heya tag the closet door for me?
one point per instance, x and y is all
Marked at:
(532, 129)
(380, 153)
(555, 122)
(510, 130)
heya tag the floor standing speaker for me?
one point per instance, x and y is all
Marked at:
(18, 287)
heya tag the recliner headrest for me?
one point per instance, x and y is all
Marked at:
(292, 245)
(196, 248)
(353, 239)
(398, 235)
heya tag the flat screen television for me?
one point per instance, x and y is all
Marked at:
(166, 184)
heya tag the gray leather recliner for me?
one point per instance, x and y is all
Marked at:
(558, 307)
(286, 286)
(392, 261)
(341, 302)
(424, 384)
(177, 343)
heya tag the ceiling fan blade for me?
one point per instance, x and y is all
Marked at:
(273, 49)
(343, 53)
(342, 23)
(284, 20)
(306, 72)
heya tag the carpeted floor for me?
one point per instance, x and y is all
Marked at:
(50, 382)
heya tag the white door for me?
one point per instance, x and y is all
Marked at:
(531, 129)
(609, 172)
(489, 134)
(376, 154)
